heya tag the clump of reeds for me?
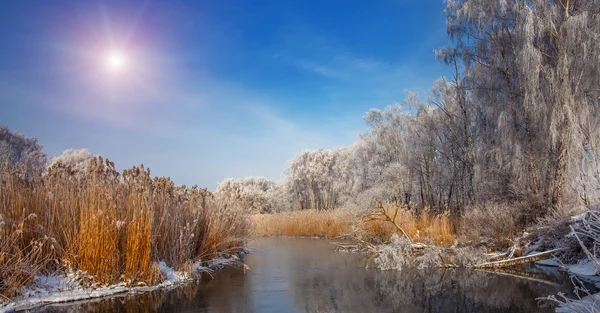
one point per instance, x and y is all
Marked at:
(307, 223)
(21, 257)
(114, 226)
(389, 219)
(426, 226)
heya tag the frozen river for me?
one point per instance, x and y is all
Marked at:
(308, 275)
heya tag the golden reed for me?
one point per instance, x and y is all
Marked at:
(114, 226)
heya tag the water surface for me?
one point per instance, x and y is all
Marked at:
(307, 275)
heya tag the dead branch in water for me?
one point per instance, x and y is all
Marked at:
(518, 261)
(359, 244)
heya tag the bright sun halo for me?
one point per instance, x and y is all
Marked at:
(115, 61)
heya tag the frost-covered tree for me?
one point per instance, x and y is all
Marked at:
(531, 71)
(318, 179)
(517, 123)
(252, 194)
(75, 159)
(381, 173)
(18, 149)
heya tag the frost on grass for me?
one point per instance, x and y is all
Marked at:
(586, 302)
(399, 254)
(395, 255)
(468, 256)
(431, 258)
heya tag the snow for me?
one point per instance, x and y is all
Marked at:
(172, 276)
(553, 262)
(57, 289)
(583, 268)
(68, 287)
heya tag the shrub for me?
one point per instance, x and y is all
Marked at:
(396, 255)
(552, 231)
(489, 220)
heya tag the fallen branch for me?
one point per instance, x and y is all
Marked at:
(517, 261)
(359, 244)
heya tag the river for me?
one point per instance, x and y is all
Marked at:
(308, 275)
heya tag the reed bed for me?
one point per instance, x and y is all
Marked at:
(425, 227)
(113, 225)
(307, 223)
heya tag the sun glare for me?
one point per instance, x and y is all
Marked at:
(115, 61)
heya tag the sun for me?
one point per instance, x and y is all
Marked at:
(115, 61)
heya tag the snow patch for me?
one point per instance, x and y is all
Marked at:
(171, 276)
(46, 289)
(583, 267)
(553, 262)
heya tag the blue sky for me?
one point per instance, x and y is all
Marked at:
(210, 89)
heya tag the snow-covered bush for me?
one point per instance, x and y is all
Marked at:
(431, 258)
(396, 255)
(252, 194)
(18, 149)
(552, 231)
(77, 160)
(489, 220)
(468, 256)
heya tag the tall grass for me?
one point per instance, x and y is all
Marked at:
(114, 226)
(307, 223)
(438, 228)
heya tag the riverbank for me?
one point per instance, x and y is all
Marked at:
(70, 287)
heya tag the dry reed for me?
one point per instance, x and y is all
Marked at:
(429, 227)
(307, 223)
(114, 226)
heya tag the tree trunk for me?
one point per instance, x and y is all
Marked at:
(561, 162)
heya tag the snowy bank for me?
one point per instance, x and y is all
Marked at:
(583, 270)
(68, 287)
(584, 267)
(588, 304)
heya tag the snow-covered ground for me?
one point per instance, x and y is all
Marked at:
(62, 288)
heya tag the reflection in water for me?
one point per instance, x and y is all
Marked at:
(306, 275)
